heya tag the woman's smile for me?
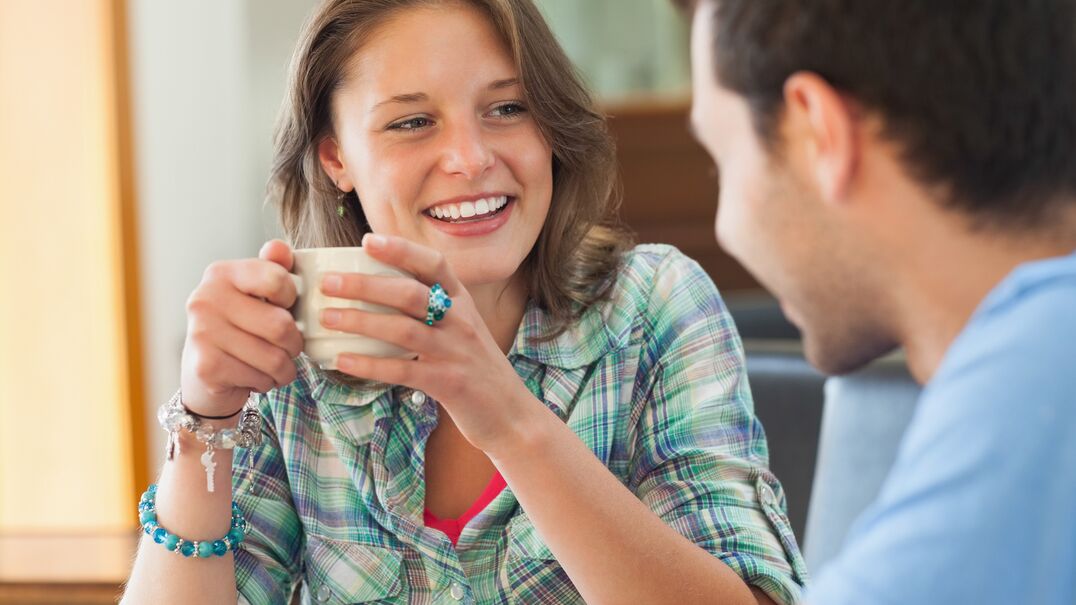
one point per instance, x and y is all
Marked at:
(468, 210)
(471, 216)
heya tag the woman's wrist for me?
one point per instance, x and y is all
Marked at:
(186, 438)
(526, 433)
(182, 424)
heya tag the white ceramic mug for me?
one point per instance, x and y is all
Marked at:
(323, 344)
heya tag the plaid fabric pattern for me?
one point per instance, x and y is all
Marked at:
(652, 381)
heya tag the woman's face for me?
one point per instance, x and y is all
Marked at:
(432, 131)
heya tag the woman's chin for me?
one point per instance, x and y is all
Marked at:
(472, 277)
(479, 265)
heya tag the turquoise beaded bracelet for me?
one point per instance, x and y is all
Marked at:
(147, 516)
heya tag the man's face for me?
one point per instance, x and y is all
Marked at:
(773, 219)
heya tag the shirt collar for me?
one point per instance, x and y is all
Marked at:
(586, 340)
(327, 390)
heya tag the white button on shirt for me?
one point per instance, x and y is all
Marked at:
(768, 497)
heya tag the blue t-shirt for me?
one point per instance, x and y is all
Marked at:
(980, 506)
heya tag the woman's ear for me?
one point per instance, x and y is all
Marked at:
(332, 161)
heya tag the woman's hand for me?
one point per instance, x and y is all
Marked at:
(240, 335)
(459, 364)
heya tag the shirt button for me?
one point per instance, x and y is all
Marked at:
(768, 497)
(324, 594)
(456, 591)
(418, 398)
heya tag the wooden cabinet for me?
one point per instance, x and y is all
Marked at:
(65, 569)
(57, 593)
(670, 187)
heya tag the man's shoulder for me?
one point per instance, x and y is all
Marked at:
(978, 504)
(1035, 294)
(1004, 397)
(1024, 332)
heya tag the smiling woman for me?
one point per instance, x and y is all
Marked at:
(574, 424)
(392, 105)
(415, 128)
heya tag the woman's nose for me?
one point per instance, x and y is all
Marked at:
(467, 153)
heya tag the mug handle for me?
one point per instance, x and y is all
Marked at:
(298, 281)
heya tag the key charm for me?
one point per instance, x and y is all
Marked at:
(210, 466)
(170, 448)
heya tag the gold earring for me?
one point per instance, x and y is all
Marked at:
(341, 210)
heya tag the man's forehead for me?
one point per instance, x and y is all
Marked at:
(701, 45)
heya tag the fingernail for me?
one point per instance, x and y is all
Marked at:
(343, 362)
(330, 317)
(332, 283)
(374, 240)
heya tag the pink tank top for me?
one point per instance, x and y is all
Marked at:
(453, 527)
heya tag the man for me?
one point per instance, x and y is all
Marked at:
(903, 173)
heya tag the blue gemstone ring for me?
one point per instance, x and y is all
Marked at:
(439, 304)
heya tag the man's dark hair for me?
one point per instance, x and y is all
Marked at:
(981, 94)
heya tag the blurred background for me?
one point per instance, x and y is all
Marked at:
(134, 150)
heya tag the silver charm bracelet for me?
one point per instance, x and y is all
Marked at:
(174, 416)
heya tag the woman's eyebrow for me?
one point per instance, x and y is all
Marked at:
(411, 97)
(417, 97)
(505, 83)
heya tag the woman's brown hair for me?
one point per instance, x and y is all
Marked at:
(577, 256)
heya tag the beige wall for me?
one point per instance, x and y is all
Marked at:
(206, 80)
(65, 459)
(204, 107)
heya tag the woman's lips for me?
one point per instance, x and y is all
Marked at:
(462, 209)
(474, 225)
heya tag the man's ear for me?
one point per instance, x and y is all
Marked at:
(823, 125)
(332, 161)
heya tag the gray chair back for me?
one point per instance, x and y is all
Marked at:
(788, 395)
(864, 419)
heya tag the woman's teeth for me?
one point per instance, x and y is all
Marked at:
(468, 210)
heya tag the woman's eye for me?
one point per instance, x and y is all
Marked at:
(411, 124)
(508, 110)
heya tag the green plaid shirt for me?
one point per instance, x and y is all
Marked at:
(653, 381)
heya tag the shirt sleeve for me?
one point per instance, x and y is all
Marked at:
(979, 505)
(700, 458)
(268, 563)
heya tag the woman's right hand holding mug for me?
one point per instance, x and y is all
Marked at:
(240, 335)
